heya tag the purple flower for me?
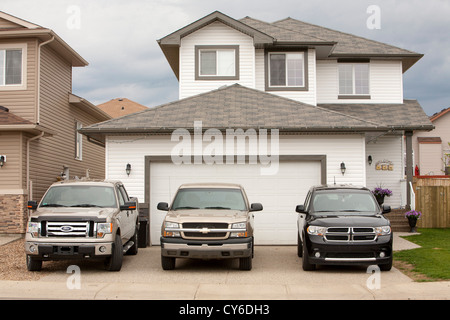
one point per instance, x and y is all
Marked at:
(382, 192)
(413, 214)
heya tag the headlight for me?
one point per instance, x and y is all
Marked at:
(33, 229)
(242, 232)
(171, 225)
(103, 228)
(316, 231)
(383, 231)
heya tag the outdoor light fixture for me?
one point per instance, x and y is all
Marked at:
(369, 159)
(2, 160)
(128, 169)
(343, 168)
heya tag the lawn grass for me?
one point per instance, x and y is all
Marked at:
(432, 260)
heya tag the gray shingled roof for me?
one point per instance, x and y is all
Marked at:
(237, 106)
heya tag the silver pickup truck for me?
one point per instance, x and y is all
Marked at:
(82, 219)
(208, 221)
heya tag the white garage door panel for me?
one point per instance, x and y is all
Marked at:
(279, 193)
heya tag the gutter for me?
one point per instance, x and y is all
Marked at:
(29, 189)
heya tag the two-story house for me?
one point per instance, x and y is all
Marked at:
(277, 107)
(39, 118)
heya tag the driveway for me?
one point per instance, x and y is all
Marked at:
(276, 274)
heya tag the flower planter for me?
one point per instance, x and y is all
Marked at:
(412, 217)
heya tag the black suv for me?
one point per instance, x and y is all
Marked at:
(342, 225)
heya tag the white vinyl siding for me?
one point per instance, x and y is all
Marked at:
(385, 82)
(349, 149)
(387, 148)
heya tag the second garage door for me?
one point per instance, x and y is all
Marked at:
(278, 193)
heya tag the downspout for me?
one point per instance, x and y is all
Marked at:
(30, 196)
(38, 116)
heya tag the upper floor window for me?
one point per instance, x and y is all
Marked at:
(12, 66)
(217, 62)
(286, 71)
(78, 142)
(354, 80)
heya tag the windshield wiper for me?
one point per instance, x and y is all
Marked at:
(218, 207)
(178, 208)
(52, 205)
(86, 205)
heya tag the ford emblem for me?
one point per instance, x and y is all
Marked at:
(66, 229)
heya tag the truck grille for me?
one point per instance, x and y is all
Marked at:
(350, 234)
(202, 230)
(67, 229)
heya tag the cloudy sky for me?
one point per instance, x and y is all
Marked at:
(118, 38)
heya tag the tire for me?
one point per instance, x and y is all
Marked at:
(114, 262)
(135, 238)
(245, 263)
(167, 263)
(33, 264)
(386, 266)
(299, 246)
(305, 260)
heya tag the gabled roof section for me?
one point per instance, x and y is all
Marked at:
(439, 114)
(236, 106)
(121, 107)
(15, 28)
(10, 21)
(170, 44)
(174, 38)
(349, 45)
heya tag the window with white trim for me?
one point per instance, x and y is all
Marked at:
(354, 79)
(10, 67)
(286, 69)
(78, 142)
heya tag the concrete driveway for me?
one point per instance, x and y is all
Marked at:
(276, 274)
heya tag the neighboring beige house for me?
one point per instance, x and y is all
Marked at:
(430, 148)
(120, 107)
(39, 118)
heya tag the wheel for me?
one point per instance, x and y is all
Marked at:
(299, 246)
(167, 263)
(33, 264)
(135, 238)
(245, 263)
(305, 259)
(386, 266)
(114, 262)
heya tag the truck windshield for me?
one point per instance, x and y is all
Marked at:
(344, 202)
(79, 196)
(205, 198)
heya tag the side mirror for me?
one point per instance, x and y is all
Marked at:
(32, 205)
(300, 208)
(128, 206)
(386, 209)
(164, 206)
(256, 207)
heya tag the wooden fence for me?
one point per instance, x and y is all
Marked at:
(433, 200)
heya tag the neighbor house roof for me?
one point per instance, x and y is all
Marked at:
(13, 27)
(287, 32)
(236, 106)
(120, 107)
(439, 114)
(11, 122)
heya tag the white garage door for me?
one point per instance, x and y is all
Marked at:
(279, 193)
